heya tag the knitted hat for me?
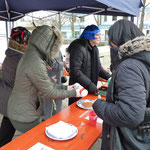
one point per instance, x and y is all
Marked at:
(89, 32)
(20, 35)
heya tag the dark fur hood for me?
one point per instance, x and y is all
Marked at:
(135, 46)
(15, 45)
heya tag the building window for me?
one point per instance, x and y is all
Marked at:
(64, 34)
(114, 18)
(76, 34)
(105, 18)
(147, 32)
(106, 35)
(82, 19)
(125, 17)
(147, 18)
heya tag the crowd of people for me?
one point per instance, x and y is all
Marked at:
(32, 73)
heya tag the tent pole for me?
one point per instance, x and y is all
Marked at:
(137, 23)
(7, 9)
(132, 19)
(6, 28)
(12, 24)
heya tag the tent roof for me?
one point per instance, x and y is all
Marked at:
(12, 10)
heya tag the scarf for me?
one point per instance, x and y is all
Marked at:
(94, 65)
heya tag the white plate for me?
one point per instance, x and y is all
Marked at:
(62, 139)
(79, 103)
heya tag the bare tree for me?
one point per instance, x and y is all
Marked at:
(60, 21)
(52, 19)
(97, 19)
(72, 21)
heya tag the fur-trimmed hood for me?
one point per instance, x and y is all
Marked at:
(47, 41)
(15, 45)
(135, 46)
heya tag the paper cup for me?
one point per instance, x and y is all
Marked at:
(83, 92)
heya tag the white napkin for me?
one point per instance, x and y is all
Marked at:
(40, 146)
(61, 129)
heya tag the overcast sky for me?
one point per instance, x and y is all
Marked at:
(147, 1)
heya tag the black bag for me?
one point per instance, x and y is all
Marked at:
(138, 138)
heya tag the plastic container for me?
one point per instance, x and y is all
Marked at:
(92, 118)
(83, 92)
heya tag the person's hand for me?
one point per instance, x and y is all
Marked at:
(54, 78)
(74, 86)
(48, 68)
(78, 86)
(78, 93)
(80, 90)
(70, 87)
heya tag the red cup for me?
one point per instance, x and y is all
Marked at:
(92, 118)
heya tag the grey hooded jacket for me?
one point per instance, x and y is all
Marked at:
(131, 88)
(32, 77)
(9, 72)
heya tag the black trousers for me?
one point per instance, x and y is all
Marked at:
(7, 131)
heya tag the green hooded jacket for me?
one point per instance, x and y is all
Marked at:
(24, 104)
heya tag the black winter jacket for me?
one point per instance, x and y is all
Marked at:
(127, 95)
(80, 65)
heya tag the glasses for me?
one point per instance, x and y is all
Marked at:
(98, 35)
